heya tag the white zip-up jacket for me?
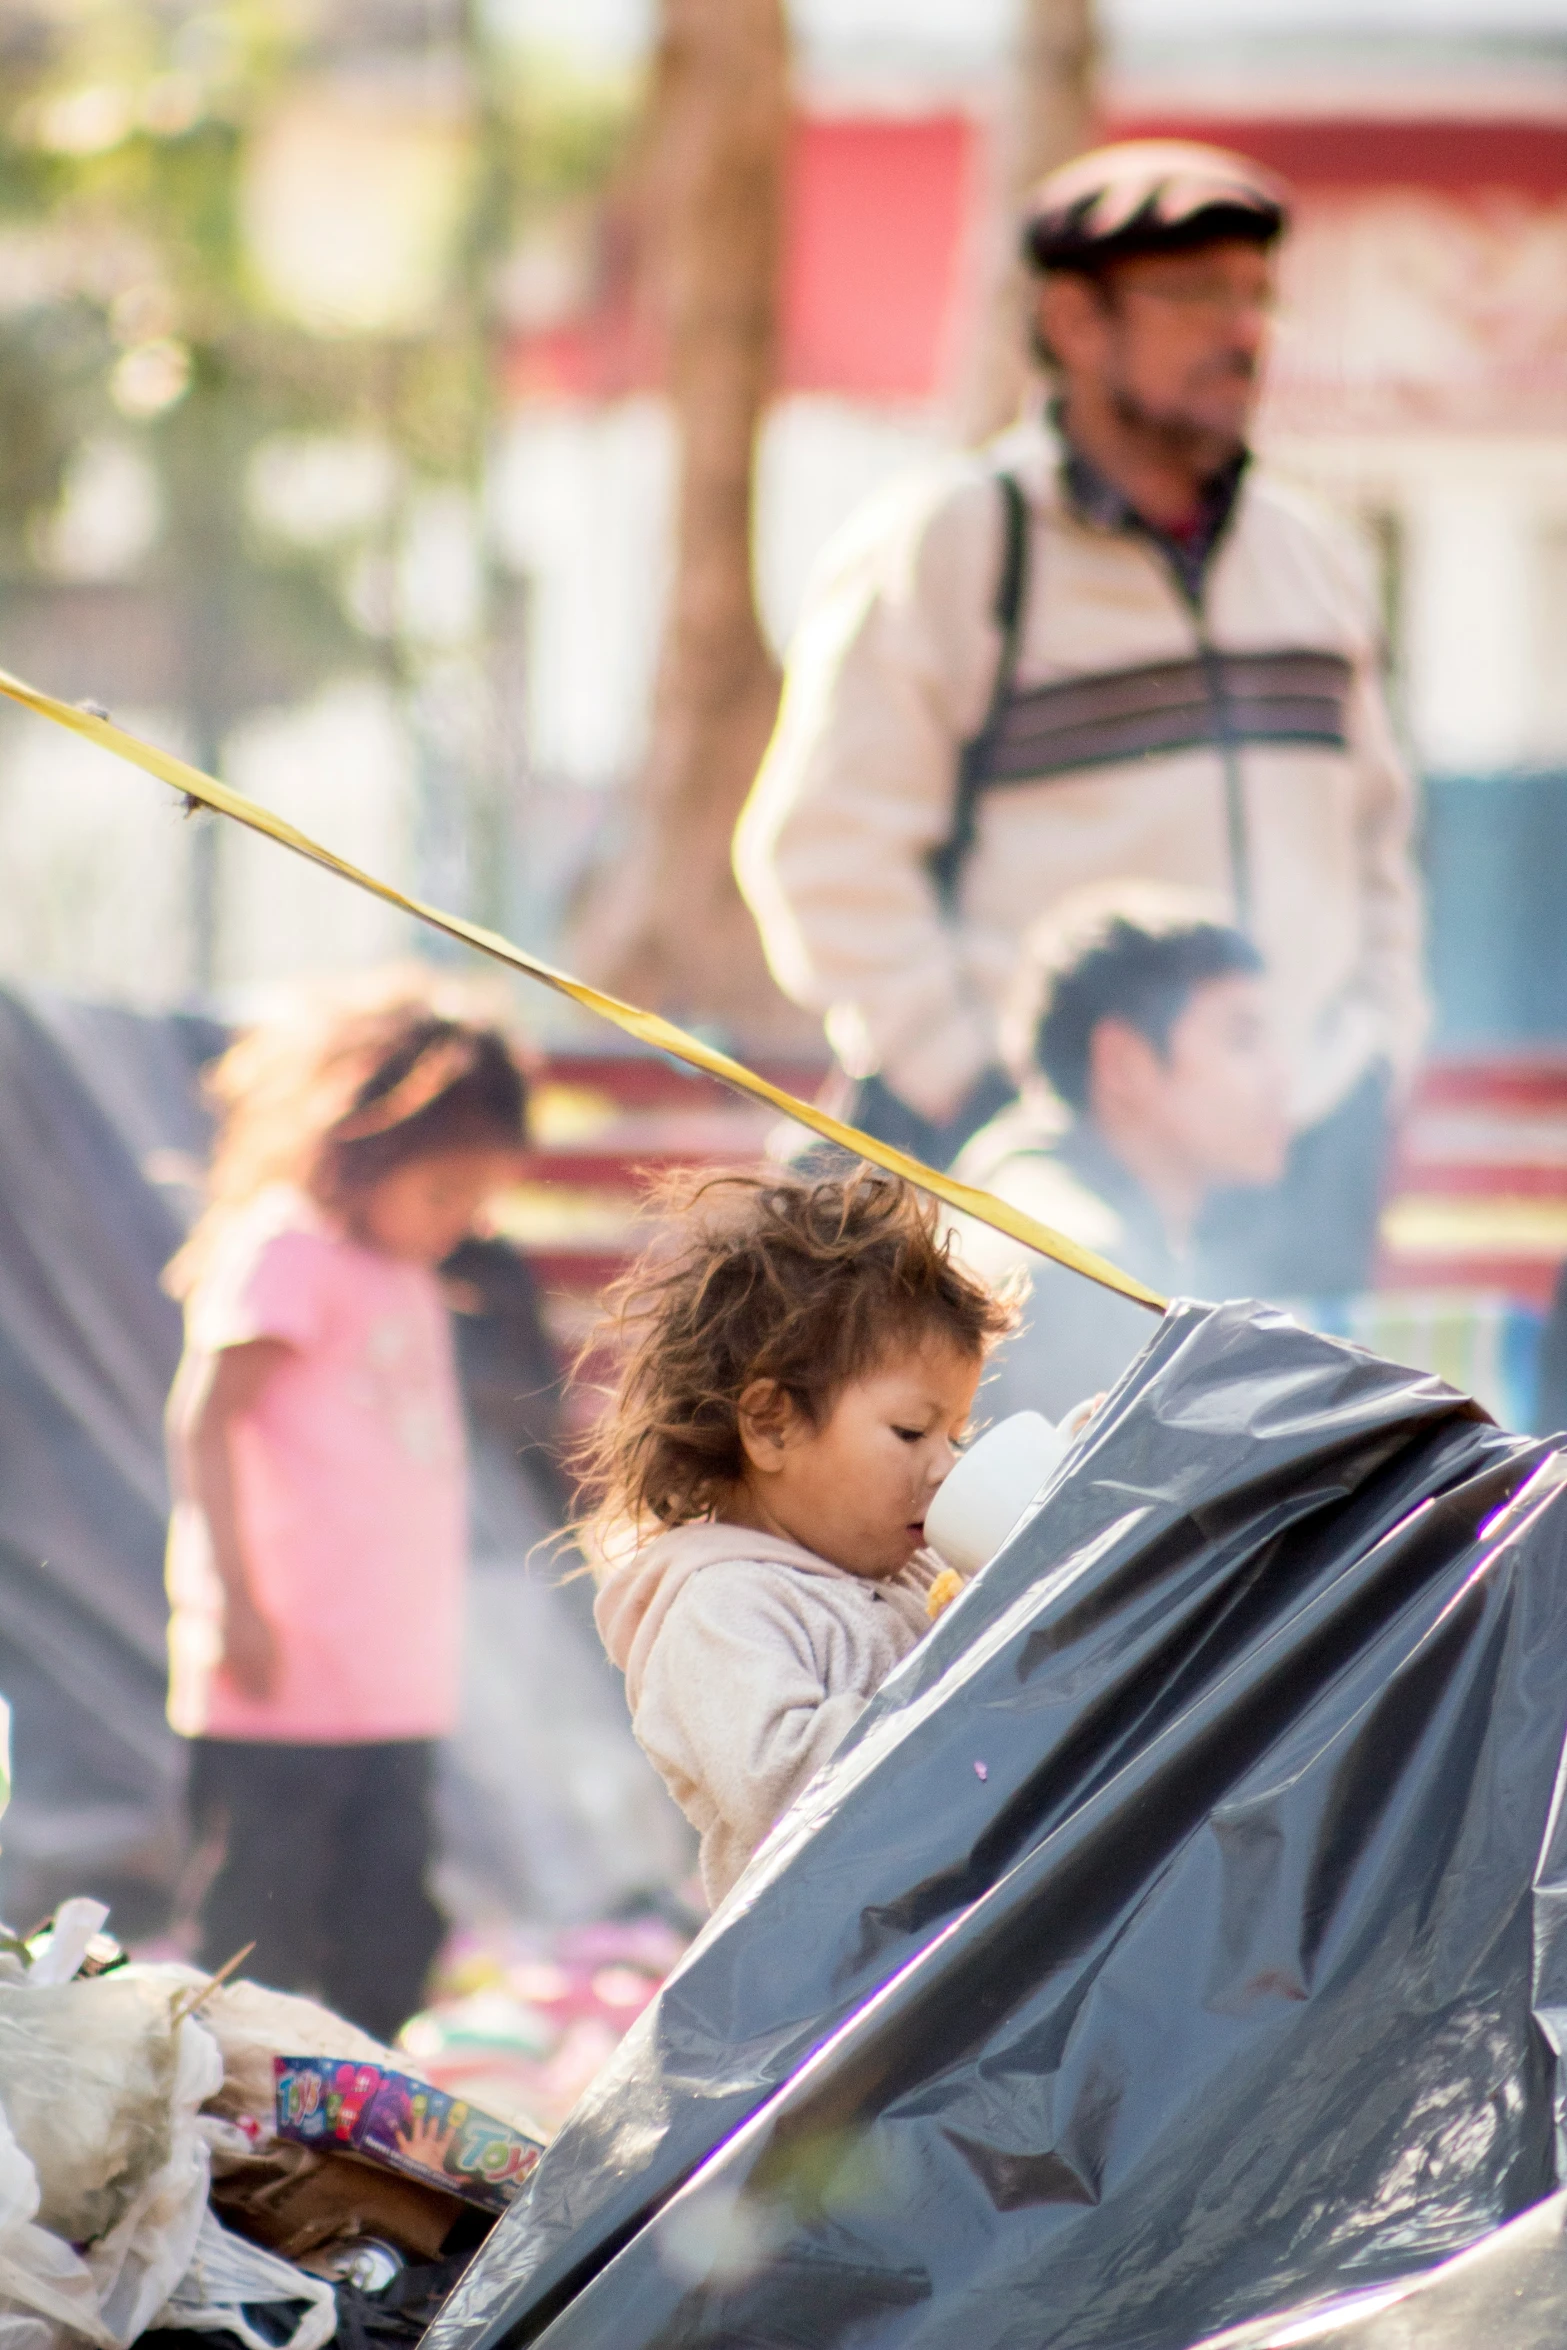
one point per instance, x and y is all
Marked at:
(1145, 739)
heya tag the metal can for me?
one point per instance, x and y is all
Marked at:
(367, 2264)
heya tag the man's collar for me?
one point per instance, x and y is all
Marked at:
(1084, 1151)
(1098, 500)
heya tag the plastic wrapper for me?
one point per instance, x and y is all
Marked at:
(523, 2017)
(227, 2278)
(58, 1954)
(254, 2027)
(1177, 1936)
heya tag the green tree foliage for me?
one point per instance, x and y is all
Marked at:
(131, 304)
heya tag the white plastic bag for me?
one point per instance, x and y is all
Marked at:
(138, 2264)
(43, 2284)
(101, 2082)
(227, 2276)
(87, 2074)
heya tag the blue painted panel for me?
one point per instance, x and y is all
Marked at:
(1494, 850)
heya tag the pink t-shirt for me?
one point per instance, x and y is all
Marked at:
(349, 1490)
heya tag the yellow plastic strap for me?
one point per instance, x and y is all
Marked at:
(647, 1027)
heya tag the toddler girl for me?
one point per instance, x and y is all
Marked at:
(316, 1551)
(799, 1366)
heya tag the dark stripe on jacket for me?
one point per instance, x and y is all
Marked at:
(1119, 714)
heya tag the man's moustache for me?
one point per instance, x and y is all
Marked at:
(1235, 366)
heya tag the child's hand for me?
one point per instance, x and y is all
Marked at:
(945, 1589)
(1078, 1417)
(251, 1656)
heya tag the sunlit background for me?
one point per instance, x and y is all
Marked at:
(332, 450)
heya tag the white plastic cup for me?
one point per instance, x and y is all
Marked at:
(990, 1488)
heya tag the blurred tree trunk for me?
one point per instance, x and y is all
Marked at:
(1051, 118)
(664, 924)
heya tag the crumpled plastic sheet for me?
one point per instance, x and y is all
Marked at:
(1508, 2292)
(1178, 1936)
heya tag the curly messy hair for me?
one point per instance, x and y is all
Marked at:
(808, 1284)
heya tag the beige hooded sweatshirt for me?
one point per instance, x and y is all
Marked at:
(747, 1659)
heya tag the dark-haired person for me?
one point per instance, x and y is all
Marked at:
(1107, 644)
(1151, 1086)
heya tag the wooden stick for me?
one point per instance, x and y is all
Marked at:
(196, 1999)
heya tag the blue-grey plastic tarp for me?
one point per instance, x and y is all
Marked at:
(1179, 1935)
(101, 1122)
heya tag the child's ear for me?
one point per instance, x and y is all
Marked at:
(766, 1416)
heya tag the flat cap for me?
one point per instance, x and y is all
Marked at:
(1149, 196)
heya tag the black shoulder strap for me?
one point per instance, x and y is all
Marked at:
(946, 862)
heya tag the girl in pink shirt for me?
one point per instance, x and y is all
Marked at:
(317, 1545)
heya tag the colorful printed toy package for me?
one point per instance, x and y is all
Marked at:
(405, 2124)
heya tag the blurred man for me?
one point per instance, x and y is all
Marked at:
(1105, 645)
(1150, 1084)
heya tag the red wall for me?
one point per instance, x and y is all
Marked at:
(1530, 157)
(878, 221)
(878, 213)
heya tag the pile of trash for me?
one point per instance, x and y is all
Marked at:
(522, 2019)
(184, 2155)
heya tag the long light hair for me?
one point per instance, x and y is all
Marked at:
(347, 1084)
